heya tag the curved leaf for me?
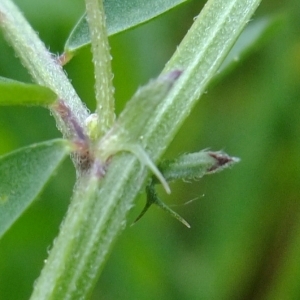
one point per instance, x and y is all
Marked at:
(23, 174)
(14, 92)
(120, 15)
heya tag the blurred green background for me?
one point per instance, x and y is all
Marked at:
(245, 237)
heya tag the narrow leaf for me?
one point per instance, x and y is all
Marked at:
(193, 166)
(120, 15)
(126, 134)
(190, 166)
(128, 128)
(23, 174)
(14, 92)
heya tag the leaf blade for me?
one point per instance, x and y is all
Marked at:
(14, 92)
(120, 16)
(22, 177)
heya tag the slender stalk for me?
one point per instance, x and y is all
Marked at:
(199, 56)
(98, 211)
(102, 64)
(38, 60)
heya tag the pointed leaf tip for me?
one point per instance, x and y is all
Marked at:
(222, 161)
(173, 75)
(125, 135)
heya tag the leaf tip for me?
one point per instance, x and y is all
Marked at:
(222, 161)
(174, 75)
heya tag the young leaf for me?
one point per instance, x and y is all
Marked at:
(120, 15)
(126, 134)
(23, 174)
(190, 166)
(14, 92)
(193, 166)
(130, 124)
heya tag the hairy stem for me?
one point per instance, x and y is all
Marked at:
(102, 64)
(98, 210)
(39, 61)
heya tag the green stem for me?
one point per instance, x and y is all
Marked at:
(199, 56)
(98, 211)
(39, 61)
(102, 64)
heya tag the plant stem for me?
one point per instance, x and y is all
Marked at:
(39, 61)
(98, 211)
(102, 64)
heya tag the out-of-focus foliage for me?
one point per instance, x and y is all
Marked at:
(245, 237)
(23, 175)
(18, 93)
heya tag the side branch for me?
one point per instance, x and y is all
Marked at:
(39, 61)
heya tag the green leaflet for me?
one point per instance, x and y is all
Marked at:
(121, 15)
(14, 92)
(23, 174)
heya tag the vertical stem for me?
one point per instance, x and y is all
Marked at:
(98, 211)
(102, 64)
